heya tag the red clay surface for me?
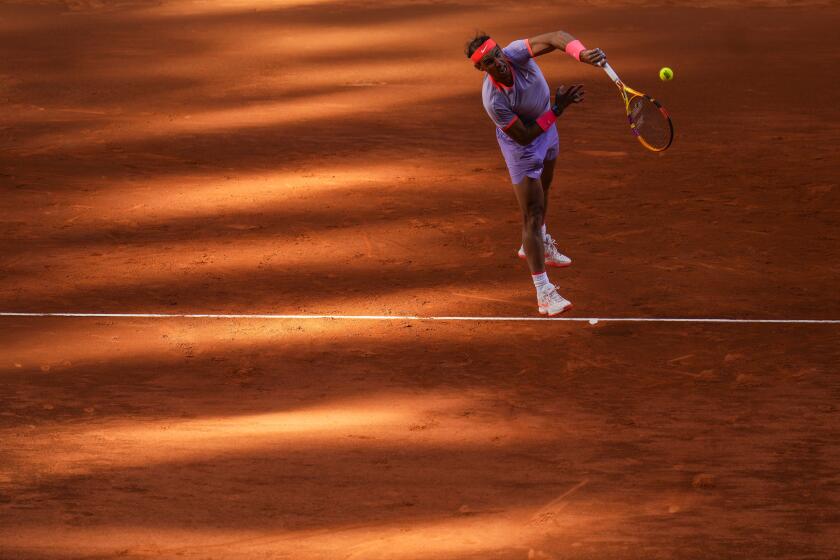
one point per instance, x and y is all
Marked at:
(333, 157)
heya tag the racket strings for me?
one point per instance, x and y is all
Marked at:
(650, 123)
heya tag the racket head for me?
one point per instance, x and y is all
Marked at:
(649, 121)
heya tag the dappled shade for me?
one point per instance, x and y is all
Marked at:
(316, 156)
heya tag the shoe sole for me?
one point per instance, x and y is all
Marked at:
(545, 312)
(549, 263)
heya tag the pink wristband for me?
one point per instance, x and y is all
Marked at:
(546, 120)
(574, 49)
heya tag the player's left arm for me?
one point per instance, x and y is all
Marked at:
(559, 40)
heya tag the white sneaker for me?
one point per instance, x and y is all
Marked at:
(550, 302)
(553, 257)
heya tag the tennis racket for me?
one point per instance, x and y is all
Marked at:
(649, 121)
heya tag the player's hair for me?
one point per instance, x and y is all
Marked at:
(474, 43)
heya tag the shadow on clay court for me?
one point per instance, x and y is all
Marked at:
(363, 442)
(215, 427)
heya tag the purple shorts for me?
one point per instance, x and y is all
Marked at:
(527, 161)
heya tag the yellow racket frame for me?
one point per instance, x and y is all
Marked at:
(628, 94)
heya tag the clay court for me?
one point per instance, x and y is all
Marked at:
(320, 158)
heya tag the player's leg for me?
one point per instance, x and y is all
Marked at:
(547, 174)
(546, 179)
(531, 199)
(553, 257)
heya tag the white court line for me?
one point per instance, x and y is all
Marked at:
(421, 318)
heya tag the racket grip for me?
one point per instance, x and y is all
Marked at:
(611, 73)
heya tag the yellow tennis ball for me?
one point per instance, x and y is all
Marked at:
(666, 74)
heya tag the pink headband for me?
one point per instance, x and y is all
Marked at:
(485, 48)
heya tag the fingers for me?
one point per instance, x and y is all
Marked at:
(573, 90)
(568, 91)
(565, 96)
(576, 93)
(596, 57)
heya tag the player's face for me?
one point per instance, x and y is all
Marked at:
(494, 63)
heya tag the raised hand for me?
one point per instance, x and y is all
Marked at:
(595, 57)
(566, 96)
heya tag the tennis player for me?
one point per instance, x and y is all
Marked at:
(518, 100)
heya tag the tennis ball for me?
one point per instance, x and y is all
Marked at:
(666, 74)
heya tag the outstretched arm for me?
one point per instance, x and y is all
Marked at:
(559, 40)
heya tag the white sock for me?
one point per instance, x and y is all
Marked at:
(544, 232)
(540, 280)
